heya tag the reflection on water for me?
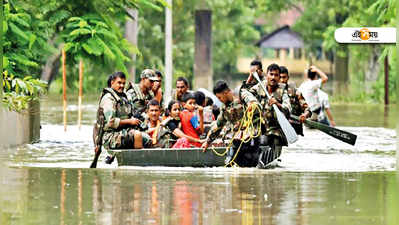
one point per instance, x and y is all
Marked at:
(83, 196)
(52, 109)
(365, 115)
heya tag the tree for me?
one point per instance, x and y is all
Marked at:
(35, 29)
(233, 33)
(89, 29)
(24, 43)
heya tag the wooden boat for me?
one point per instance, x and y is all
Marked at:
(190, 157)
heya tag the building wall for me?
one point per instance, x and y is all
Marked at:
(20, 127)
(295, 66)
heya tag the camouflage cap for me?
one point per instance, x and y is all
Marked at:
(149, 73)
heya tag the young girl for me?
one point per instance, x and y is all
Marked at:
(172, 126)
(192, 125)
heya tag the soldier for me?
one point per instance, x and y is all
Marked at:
(230, 115)
(272, 135)
(299, 107)
(118, 120)
(255, 66)
(157, 88)
(140, 94)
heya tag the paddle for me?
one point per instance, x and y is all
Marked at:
(287, 128)
(97, 151)
(98, 136)
(332, 131)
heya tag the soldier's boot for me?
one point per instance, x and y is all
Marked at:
(230, 155)
(264, 157)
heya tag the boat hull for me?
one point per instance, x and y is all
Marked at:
(188, 157)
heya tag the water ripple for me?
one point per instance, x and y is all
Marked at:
(374, 151)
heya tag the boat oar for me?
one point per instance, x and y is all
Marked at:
(97, 153)
(98, 132)
(287, 128)
(332, 131)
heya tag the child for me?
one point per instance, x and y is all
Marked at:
(191, 124)
(172, 129)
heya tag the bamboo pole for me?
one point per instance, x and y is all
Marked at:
(64, 88)
(80, 93)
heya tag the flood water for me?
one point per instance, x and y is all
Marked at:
(320, 180)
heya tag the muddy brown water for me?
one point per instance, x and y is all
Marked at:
(320, 180)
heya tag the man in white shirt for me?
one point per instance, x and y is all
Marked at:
(309, 89)
(325, 115)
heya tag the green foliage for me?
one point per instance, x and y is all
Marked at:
(94, 31)
(25, 48)
(233, 33)
(379, 86)
(88, 30)
(90, 38)
(19, 92)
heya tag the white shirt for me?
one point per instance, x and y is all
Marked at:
(325, 104)
(309, 91)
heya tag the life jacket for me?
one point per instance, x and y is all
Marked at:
(98, 128)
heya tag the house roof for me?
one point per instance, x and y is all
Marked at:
(282, 37)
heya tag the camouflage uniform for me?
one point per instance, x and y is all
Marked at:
(230, 118)
(138, 99)
(272, 135)
(298, 106)
(116, 108)
(280, 94)
(165, 136)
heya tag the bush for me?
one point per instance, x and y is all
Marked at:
(19, 92)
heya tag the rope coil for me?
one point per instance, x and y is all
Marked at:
(246, 129)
